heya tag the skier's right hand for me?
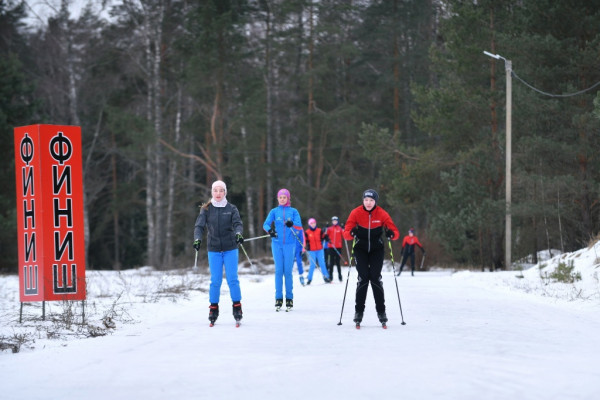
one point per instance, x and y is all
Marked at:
(272, 233)
(289, 223)
(197, 243)
(354, 231)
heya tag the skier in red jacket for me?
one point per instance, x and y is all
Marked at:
(334, 232)
(366, 225)
(408, 250)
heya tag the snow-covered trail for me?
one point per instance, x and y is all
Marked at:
(461, 341)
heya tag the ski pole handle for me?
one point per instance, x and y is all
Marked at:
(196, 262)
(257, 237)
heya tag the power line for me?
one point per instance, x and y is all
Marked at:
(551, 94)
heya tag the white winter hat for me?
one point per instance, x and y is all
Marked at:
(219, 184)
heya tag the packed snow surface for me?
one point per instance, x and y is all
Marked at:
(468, 335)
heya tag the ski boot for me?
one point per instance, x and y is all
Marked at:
(308, 281)
(237, 313)
(278, 304)
(213, 313)
(289, 303)
(301, 280)
(383, 319)
(358, 316)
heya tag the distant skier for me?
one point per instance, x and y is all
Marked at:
(283, 224)
(366, 225)
(314, 245)
(335, 234)
(408, 250)
(224, 228)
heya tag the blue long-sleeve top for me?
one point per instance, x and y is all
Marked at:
(278, 216)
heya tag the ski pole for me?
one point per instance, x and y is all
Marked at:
(257, 237)
(396, 280)
(422, 260)
(348, 277)
(195, 269)
(252, 266)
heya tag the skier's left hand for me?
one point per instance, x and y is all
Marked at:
(289, 223)
(389, 233)
(239, 239)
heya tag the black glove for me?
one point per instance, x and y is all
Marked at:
(197, 243)
(326, 238)
(272, 233)
(354, 231)
(389, 233)
(289, 223)
(239, 239)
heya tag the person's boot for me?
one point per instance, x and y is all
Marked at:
(289, 303)
(382, 317)
(213, 312)
(237, 311)
(358, 316)
(301, 280)
(278, 304)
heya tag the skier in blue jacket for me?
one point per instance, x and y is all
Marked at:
(221, 220)
(283, 224)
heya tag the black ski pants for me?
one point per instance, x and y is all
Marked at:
(368, 266)
(333, 260)
(412, 261)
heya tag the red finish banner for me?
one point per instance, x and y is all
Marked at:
(50, 212)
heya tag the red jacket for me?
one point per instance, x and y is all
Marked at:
(314, 239)
(408, 244)
(335, 233)
(370, 226)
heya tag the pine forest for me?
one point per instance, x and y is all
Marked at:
(326, 98)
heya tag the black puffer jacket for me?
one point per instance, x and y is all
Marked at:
(222, 224)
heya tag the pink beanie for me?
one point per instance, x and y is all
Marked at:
(285, 192)
(310, 221)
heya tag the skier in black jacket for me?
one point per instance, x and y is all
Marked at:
(224, 227)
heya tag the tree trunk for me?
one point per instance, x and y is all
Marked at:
(250, 214)
(159, 162)
(171, 186)
(309, 144)
(115, 207)
(149, 170)
(268, 142)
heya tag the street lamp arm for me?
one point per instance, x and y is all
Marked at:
(496, 56)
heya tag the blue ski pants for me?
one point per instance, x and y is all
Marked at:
(217, 261)
(283, 255)
(319, 257)
(298, 256)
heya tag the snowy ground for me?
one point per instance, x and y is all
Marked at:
(468, 335)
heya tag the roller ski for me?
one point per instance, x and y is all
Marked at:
(213, 313)
(289, 303)
(383, 319)
(278, 304)
(237, 313)
(358, 316)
